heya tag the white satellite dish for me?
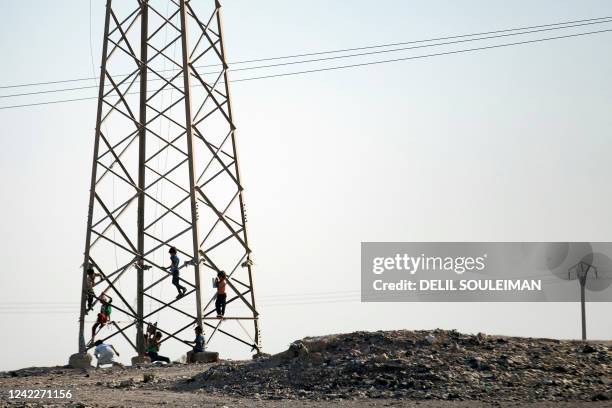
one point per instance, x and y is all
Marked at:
(545, 256)
(577, 252)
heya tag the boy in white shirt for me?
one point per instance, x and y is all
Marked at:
(105, 353)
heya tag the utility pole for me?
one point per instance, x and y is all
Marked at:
(165, 174)
(582, 270)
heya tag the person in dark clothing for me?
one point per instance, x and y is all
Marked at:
(149, 335)
(198, 344)
(221, 299)
(153, 349)
(174, 269)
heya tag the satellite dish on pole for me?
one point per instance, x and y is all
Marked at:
(593, 272)
(572, 261)
(603, 278)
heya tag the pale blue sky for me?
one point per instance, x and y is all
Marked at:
(510, 144)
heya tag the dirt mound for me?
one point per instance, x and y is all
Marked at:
(35, 372)
(420, 365)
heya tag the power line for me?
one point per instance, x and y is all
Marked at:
(415, 47)
(347, 66)
(325, 58)
(422, 56)
(545, 277)
(344, 49)
(269, 300)
(418, 41)
(273, 298)
(48, 103)
(296, 299)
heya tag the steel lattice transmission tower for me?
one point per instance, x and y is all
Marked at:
(165, 173)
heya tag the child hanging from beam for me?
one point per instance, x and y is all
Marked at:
(90, 282)
(103, 316)
(174, 269)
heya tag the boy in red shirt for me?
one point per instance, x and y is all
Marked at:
(221, 295)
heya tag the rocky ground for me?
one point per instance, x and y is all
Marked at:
(395, 368)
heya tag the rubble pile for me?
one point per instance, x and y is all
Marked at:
(435, 364)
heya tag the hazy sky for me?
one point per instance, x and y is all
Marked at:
(511, 144)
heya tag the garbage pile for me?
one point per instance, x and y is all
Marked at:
(438, 364)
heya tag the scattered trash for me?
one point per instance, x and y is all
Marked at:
(438, 364)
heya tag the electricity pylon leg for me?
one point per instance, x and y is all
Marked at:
(94, 167)
(142, 155)
(190, 151)
(240, 194)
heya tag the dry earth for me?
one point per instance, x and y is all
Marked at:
(382, 369)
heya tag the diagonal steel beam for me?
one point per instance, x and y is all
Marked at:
(221, 217)
(113, 221)
(112, 286)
